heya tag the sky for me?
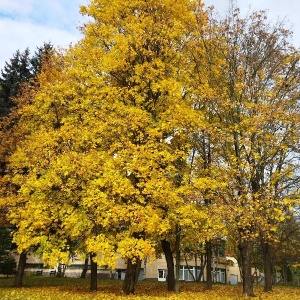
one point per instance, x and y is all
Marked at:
(287, 10)
(30, 23)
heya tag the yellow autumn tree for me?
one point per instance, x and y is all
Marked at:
(253, 75)
(107, 158)
(10, 135)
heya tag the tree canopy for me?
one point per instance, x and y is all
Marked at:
(163, 124)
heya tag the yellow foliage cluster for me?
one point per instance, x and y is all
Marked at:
(103, 166)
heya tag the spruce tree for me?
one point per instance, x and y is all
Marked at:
(21, 68)
(41, 53)
(16, 71)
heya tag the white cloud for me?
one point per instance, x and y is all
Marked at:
(16, 7)
(24, 34)
(276, 9)
(30, 23)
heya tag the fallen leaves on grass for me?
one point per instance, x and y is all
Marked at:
(78, 289)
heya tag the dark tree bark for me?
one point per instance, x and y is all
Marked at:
(203, 260)
(59, 272)
(208, 265)
(267, 260)
(93, 286)
(20, 271)
(284, 274)
(166, 247)
(131, 276)
(85, 268)
(287, 275)
(177, 251)
(246, 249)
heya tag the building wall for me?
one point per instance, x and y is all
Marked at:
(152, 266)
(153, 269)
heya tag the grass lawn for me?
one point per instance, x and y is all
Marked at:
(52, 288)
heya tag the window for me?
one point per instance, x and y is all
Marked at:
(189, 273)
(218, 275)
(162, 274)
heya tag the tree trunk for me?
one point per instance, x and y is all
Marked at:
(203, 260)
(131, 276)
(274, 275)
(20, 271)
(246, 249)
(85, 268)
(267, 260)
(59, 271)
(226, 275)
(166, 247)
(289, 275)
(177, 266)
(93, 286)
(208, 265)
(284, 274)
(189, 269)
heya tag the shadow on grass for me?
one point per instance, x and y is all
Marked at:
(110, 286)
(44, 281)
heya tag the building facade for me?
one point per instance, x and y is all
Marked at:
(224, 269)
